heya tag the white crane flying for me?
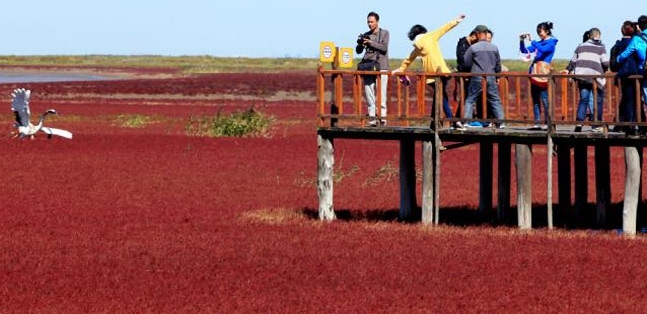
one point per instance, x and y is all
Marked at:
(20, 108)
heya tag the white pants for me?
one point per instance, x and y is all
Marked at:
(369, 89)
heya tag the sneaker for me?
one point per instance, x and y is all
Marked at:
(383, 122)
(597, 129)
(460, 126)
(544, 127)
(474, 124)
(536, 127)
(371, 123)
(502, 126)
(578, 128)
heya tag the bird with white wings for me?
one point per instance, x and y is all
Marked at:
(20, 108)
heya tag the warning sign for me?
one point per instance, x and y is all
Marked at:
(345, 58)
(327, 51)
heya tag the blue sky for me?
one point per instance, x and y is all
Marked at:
(283, 28)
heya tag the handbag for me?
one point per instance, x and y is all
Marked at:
(541, 68)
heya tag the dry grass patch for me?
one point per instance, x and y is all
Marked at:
(274, 216)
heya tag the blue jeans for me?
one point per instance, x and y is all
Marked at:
(586, 98)
(493, 99)
(644, 91)
(627, 106)
(446, 108)
(538, 94)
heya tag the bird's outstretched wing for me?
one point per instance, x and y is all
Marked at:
(20, 106)
(53, 131)
(59, 132)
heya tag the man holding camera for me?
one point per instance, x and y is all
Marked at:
(374, 44)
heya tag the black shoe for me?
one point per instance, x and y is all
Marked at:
(578, 128)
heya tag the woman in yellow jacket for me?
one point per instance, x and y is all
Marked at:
(425, 46)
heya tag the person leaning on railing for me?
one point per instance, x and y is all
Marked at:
(628, 67)
(637, 48)
(590, 58)
(425, 46)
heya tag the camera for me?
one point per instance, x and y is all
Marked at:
(361, 38)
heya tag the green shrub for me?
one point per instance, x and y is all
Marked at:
(248, 123)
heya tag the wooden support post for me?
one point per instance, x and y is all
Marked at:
(632, 190)
(427, 182)
(436, 159)
(503, 189)
(407, 178)
(336, 87)
(580, 163)
(325, 164)
(602, 181)
(523, 163)
(549, 180)
(486, 152)
(564, 181)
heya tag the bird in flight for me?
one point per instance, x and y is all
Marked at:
(20, 108)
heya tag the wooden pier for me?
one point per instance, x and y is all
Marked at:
(411, 122)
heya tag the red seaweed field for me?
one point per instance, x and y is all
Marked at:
(151, 220)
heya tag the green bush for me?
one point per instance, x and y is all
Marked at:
(248, 123)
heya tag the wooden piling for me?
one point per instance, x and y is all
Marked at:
(632, 190)
(427, 183)
(523, 163)
(503, 189)
(602, 181)
(325, 164)
(581, 181)
(486, 152)
(407, 179)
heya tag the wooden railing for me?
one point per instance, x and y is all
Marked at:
(341, 101)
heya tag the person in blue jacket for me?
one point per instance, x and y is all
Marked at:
(637, 49)
(544, 50)
(629, 67)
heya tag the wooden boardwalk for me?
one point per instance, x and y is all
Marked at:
(435, 139)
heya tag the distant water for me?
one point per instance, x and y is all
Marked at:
(48, 77)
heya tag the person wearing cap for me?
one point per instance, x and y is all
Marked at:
(544, 50)
(483, 58)
(425, 46)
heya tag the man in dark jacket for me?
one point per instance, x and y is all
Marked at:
(483, 57)
(461, 47)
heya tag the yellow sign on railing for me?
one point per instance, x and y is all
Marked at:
(344, 58)
(327, 51)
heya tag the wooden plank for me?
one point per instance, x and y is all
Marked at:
(503, 189)
(427, 183)
(325, 164)
(632, 190)
(407, 179)
(523, 163)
